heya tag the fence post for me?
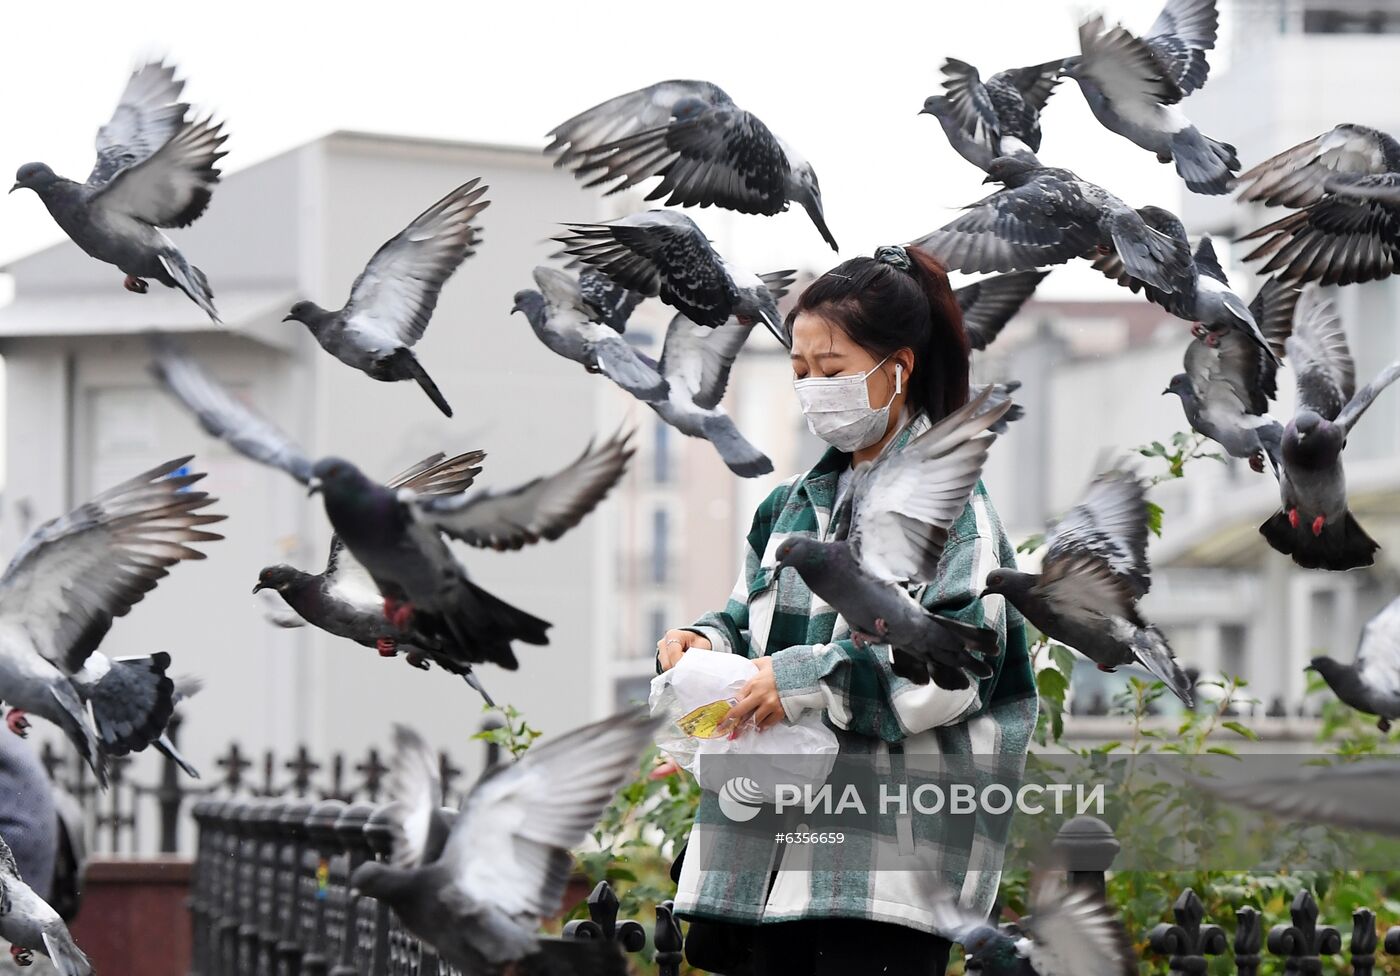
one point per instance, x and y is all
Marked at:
(1303, 943)
(1363, 942)
(358, 942)
(666, 937)
(287, 893)
(1085, 847)
(201, 908)
(320, 847)
(246, 957)
(379, 838)
(269, 832)
(169, 795)
(1249, 938)
(1188, 942)
(226, 941)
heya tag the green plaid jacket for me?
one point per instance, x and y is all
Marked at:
(874, 713)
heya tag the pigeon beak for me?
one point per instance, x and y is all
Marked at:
(259, 587)
(514, 309)
(771, 322)
(286, 318)
(989, 178)
(1166, 391)
(313, 487)
(16, 187)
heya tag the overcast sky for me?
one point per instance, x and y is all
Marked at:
(842, 83)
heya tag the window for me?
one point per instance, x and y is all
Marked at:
(661, 453)
(660, 544)
(1233, 639)
(1380, 20)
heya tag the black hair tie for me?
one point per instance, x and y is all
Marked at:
(895, 256)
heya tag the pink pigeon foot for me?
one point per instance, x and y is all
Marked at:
(21, 955)
(386, 647)
(1317, 525)
(138, 285)
(17, 722)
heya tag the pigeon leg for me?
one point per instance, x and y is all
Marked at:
(1199, 330)
(1293, 517)
(18, 724)
(419, 660)
(863, 640)
(138, 285)
(1317, 525)
(1256, 462)
(1384, 726)
(21, 955)
(386, 646)
(1106, 669)
(398, 614)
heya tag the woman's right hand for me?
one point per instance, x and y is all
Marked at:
(675, 643)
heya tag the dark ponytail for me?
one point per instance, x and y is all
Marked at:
(883, 308)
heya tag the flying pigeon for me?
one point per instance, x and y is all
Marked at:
(393, 298)
(1353, 795)
(660, 252)
(1371, 683)
(28, 922)
(154, 169)
(397, 536)
(478, 894)
(1094, 572)
(998, 117)
(707, 151)
(343, 600)
(569, 324)
(72, 576)
(1133, 86)
(901, 510)
(989, 304)
(1046, 216)
(1070, 932)
(1314, 526)
(1225, 388)
(1201, 294)
(1346, 184)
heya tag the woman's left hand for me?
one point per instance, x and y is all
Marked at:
(759, 698)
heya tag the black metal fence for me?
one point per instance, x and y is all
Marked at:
(271, 897)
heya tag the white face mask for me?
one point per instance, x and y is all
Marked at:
(838, 408)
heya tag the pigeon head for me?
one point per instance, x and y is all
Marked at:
(1011, 170)
(531, 303)
(1180, 385)
(935, 105)
(757, 304)
(993, 952)
(1007, 582)
(801, 554)
(1311, 440)
(307, 313)
(380, 881)
(336, 475)
(804, 189)
(278, 577)
(34, 176)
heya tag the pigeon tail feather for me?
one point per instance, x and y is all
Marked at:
(191, 281)
(413, 368)
(734, 448)
(1150, 648)
(132, 703)
(167, 749)
(1206, 165)
(1337, 548)
(64, 953)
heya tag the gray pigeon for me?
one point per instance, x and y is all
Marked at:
(1046, 216)
(1069, 932)
(1371, 683)
(479, 895)
(1094, 572)
(1353, 795)
(28, 923)
(1346, 184)
(1226, 388)
(1201, 294)
(72, 576)
(1314, 525)
(393, 298)
(989, 304)
(998, 117)
(397, 536)
(154, 169)
(573, 327)
(901, 508)
(343, 600)
(707, 151)
(663, 253)
(1133, 86)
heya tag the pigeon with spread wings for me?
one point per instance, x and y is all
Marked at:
(397, 535)
(72, 577)
(393, 299)
(1095, 571)
(996, 117)
(477, 889)
(1371, 683)
(154, 169)
(707, 151)
(902, 507)
(1314, 525)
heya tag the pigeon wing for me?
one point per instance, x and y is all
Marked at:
(971, 104)
(224, 416)
(1298, 176)
(1343, 238)
(1273, 308)
(1358, 796)
(1081, 586)
(613, 303)
(1378, 655)
(1366, 396)
(395, 295)
(1180, 37)
(415, 792)
(147, 116)
(1109, 524)
(1125, 68)
(510, 844)
(624, 116)
(909, 501)
(987, 305)
(1036, 82)
(1075, 932)
(74, 574)
(1322, 365)
(172, 186)
(544, 508)
(697, 360)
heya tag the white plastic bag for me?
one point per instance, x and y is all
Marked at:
(696, 695)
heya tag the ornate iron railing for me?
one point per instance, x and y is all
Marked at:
(271, 897)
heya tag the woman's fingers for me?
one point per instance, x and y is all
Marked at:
(674, 643)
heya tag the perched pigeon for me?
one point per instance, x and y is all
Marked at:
(1353, 795)
(901, 510)
(72, 576)
(397, 535)
(154, 169)
(1094, 572)
(1133, 85)
(1346, 183)
(663, 253)
(1201, 294)
(28, 922)
(479, 894)
(393, 298)
(1226, 388)
(989, 304)
(707, 151)
(998, 117)
(1046, 216)
(1371, 683)
(343, 600)
(1314, 526)
(573, 327)
(1070, 932)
